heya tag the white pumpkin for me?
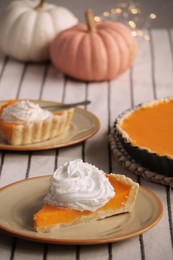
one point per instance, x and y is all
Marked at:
(27, 27)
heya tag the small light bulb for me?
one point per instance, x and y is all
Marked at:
(106, 13)
(153, 16)
(134, 33)
(147, 37)
(132, 24)
(118, 10)
(134, 10)
(97, 19)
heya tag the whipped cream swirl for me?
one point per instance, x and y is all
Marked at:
(79, 186)
(24, 111)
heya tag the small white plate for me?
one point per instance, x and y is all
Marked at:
(22, 199)
(83, 126)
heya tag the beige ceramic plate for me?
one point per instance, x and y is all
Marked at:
(84, 125)
(22, 199)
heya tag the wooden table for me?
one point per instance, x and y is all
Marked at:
(150, 77)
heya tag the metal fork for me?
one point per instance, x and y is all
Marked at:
(65, 106)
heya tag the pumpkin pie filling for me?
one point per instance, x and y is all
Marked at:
(151, 127)
(50, 217)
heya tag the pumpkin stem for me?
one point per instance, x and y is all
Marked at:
(40, 5)
(90, 20)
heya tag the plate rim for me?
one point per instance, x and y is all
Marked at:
(97, 241)
(83, 111)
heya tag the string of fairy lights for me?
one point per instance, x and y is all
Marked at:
(131, 14)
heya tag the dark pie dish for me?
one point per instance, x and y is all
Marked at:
(146, 133)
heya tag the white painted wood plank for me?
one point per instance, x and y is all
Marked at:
(97, 147)
(54, 86)
(61, 252)
(161, 245)
(120, 95)
(171, 210)
(14, 168)
(142, 74)
(74, 91)
(11, 79)
(171, 33)
(163, 63)
(28, 250)
(94, 252)
(128, 249)
(2, 58)
(5, 246)
(32, 82)
(42, 163)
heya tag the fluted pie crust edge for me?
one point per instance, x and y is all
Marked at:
(38, 131)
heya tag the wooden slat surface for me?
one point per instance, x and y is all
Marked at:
(150, 77)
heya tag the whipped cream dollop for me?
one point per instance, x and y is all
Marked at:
(24, 111)
(79, 186)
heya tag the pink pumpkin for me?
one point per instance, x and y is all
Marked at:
(94, 52)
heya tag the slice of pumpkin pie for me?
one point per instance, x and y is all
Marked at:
(23, 122)
(79, 192)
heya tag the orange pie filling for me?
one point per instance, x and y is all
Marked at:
(49, 215)
(5, 127)
(150, 127)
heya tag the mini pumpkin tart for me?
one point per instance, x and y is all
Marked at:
(146, 134)
(80, 192)
(23, 122)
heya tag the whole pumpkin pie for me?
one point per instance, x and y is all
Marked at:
(24, 122)
(79, 192)
(146, 132)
